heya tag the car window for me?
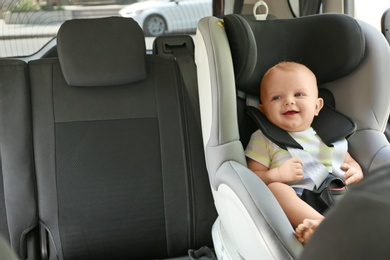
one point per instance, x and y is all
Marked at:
(371, 11)
(28, 25)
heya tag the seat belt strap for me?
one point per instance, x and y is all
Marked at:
(315, 171)
(187, 67)
(312, 169)
(339, 153)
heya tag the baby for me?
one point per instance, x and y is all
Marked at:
(289, 99)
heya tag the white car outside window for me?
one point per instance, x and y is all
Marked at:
(159, 17)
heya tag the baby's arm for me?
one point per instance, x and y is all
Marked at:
(353, 172)
(289, 171)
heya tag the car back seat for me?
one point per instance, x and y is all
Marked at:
(18, 208)
(119, 159)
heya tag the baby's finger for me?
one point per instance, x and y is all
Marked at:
(351, 177)
(350, 180)
(297, 160)
(348, 174)
(345, 167)
(299, 172)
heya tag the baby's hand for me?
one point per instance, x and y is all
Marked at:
(291, 170)
(352, 175)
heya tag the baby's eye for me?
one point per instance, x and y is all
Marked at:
(298, 94)
(276, 97)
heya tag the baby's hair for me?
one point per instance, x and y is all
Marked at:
(288, 66)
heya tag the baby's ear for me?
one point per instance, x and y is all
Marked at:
(319, 105)
(261, 108)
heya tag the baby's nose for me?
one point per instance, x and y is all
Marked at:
(289, 101)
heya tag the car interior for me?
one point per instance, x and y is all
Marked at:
(113, 150)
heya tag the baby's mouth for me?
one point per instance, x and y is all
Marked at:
(290, 113)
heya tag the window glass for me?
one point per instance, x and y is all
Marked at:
(27, 25)
(371, 11)
(294, 4)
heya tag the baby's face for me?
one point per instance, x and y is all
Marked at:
(290, 99)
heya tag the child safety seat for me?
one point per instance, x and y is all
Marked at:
(351, 61)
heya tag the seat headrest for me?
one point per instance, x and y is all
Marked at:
(101, 52)
(331, 45)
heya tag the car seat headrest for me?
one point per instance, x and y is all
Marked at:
(331, 45)
(101, 52)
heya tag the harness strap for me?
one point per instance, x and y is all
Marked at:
(271, 131)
